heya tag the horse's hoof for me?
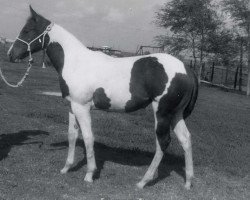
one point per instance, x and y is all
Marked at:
(88, 178)
(140, 185)
(188, 185)
(64, 170)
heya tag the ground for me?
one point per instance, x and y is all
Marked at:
(33, 147)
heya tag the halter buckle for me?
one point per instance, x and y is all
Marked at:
(49, 27)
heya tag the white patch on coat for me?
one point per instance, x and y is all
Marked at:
(84, 70)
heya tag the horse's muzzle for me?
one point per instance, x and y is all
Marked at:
(14, 57)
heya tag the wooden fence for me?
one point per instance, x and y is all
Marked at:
(230, 77)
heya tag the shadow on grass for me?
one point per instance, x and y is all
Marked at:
(131, 157)
(7, 141)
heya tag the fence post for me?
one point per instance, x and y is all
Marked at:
(241, 64)
(191, 64)
(212, 73)
(203, 71)
(236, 77)
(226, 75)
(240, 78)
(222, 75)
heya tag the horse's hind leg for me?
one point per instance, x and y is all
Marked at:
(162, 128)
(82, 113)
(153, 167)
(72, 136)
(184, 137)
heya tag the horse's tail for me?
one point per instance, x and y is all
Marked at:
(190, 106)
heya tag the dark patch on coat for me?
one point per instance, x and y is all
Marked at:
(63, 86)
(148, 80)
(189, 108)
(100, 99)
(175, 101)
(163, 131)
(178, 95)
(56, 55)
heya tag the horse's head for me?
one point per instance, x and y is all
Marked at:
(32, 37)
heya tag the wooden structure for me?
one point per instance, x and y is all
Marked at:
(156, 49)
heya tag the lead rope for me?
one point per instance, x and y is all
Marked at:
(24, 76)
(30, 58)
(21, 81)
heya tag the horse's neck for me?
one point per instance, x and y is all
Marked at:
(70, 44)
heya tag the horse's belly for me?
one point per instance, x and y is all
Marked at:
(119, 96)
(118, 104)
(111, 97)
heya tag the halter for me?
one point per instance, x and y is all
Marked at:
(48, 28)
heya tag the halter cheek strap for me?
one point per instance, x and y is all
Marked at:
(48, 28)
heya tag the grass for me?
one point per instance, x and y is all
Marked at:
(33, 147)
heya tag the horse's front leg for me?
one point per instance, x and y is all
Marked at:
(72, 136)
(82, 113)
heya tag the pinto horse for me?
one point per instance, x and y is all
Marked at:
(93, 79)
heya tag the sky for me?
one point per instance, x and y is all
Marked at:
(120, 24)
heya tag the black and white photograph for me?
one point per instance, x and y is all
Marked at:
(124, 100)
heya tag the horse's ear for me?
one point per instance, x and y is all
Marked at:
(33, 13)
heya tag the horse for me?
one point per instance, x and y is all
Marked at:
(90, 79)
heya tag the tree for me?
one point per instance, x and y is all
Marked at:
(240, 12)
(173, 43)
(227, 46)
(190, 22)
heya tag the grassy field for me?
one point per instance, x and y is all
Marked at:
(33, 147)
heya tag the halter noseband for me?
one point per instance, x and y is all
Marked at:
(48, 28)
